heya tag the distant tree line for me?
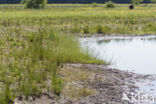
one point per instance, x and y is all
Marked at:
(9, 1)
(73, 1)
(91, 1)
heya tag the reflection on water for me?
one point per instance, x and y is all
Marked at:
(136, 54)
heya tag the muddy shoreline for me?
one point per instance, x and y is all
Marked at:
(110, 37)
(109, 85)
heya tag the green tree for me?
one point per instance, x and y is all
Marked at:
(136, 2)
(153, 1)
(23, 1)
(150, 1)
(36, 4)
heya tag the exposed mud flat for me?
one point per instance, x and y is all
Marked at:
(106, 85)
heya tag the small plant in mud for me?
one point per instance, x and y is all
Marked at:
(57, 85)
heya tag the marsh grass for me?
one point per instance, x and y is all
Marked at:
(73, 18)
(32, 60)
(6, 95)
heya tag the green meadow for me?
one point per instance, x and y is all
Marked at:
(83, 18)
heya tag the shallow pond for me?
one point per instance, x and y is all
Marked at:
(137, 54)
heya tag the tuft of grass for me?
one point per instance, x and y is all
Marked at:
(6, 95)
(57, 84)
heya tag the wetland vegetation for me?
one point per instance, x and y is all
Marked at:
(82, 18)
(36, 43)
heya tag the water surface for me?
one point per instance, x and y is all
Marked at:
(137, 54)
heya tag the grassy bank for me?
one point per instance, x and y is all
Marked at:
(83, 19)
(30, 62)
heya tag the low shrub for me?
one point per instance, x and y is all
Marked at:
(110, 4)
(35, 3)
(94, 4)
